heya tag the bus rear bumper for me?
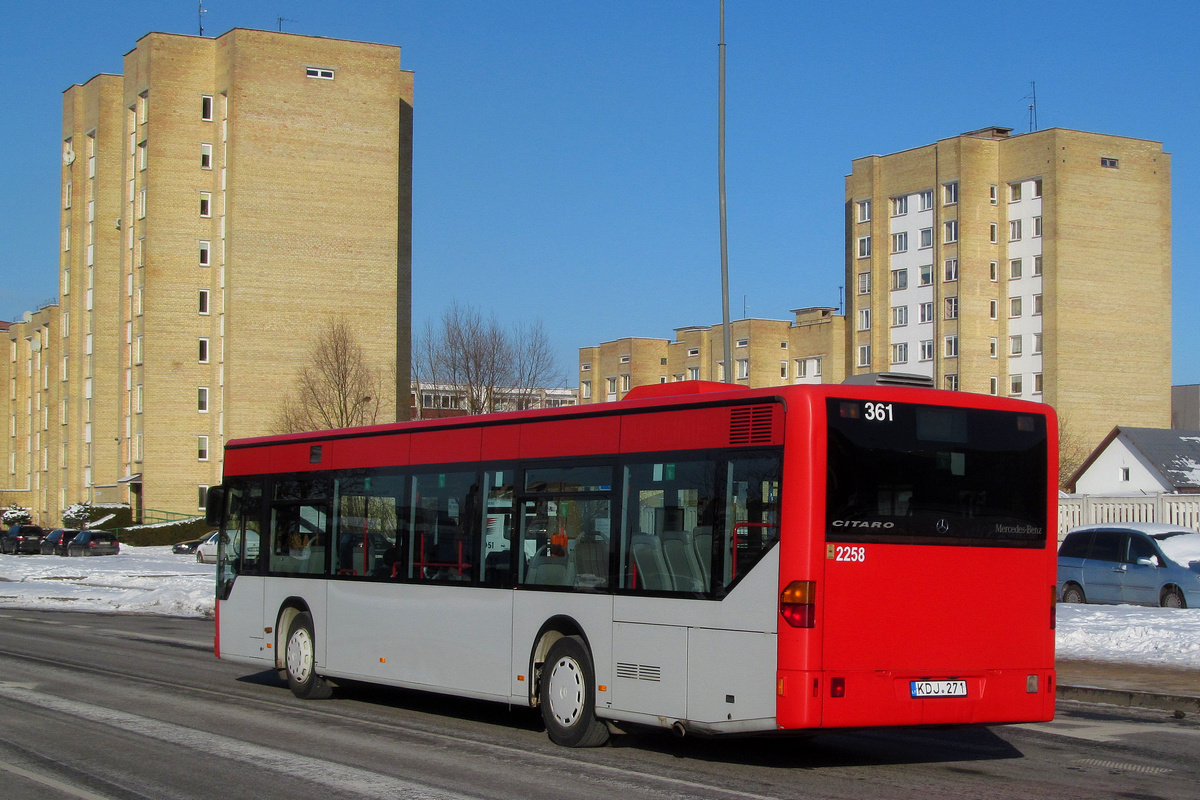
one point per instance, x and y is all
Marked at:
(893, 697)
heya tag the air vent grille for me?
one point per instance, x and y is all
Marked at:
(751, 425)
(639, 672)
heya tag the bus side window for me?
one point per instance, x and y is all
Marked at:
(444, 519)
(367, 525)
(751, 515)
(497, 527)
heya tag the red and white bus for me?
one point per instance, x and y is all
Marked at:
(698, 557)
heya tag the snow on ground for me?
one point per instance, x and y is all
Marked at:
(144, 580)
(153, 580)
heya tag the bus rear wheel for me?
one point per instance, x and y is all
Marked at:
(300, 656)
(567, 696)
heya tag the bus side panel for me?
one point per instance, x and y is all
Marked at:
(242, 630)
(532, 609)
(570, 437)
(373, 451)
(688, 429)
(721, 688)
(444, 637)
(445, 446)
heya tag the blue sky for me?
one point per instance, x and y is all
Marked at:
(565, 152)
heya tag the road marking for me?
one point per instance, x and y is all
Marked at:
(53, 783)
(337, 777)
(1101, 731)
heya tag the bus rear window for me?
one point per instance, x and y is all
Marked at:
(905, 473)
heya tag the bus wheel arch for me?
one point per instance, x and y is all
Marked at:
(567, 695)
(551, 631)
(299, 662)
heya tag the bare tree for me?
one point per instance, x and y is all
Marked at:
(338, 388)
(1072, 450)
(484, 366)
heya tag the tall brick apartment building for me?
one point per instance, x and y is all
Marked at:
(221, 201)
(1035, 266)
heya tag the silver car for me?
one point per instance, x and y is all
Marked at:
(1130, 562)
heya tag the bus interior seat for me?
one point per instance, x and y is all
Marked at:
(546, 569)
(682, 561)
(496, 566)
(652, 572)
(702, 544)
(591, 558)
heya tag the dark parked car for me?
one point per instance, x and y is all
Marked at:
(94, 543)
(189, 547)
(22, 539)
(56, 541)
(1131, 562)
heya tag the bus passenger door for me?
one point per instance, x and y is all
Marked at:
(239, 575)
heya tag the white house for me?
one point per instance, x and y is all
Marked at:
(1134, 461)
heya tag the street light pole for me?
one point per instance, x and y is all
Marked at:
(721, 198)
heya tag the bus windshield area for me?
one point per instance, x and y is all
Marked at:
(914, 474)
(679, 523)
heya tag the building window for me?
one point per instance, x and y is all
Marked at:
(993, 193)
(743, 368)
(1110, 163)
(926, 275)
(927, 311)
(951, 346)
(1014, 268)
(141, 155)
(206, 108)
(695, 351)
(951, 231)
(927, 350)
(783, 345)
(801, 368)
(1037, 188)
(864, 283)
(899, 206)
(900, 242)
(202, 448)
(317, 72)
(1037, 226)
(202, 399)
(864, 247)
(67, 195)
(1014, 345)
(993, 347)
(1014, 192)
(993, 385)
(952, 307)
(1014, 384)
(203, 304)
(624, 359)
(1037, 344)
(693, 373)
(1037, 383)
(1037, 305)
(993, 233)
(746, 342)
(1014, 230)
(205, 156)
(899, 316)
(950, 193)
(783, 369)
(899, 279)
(951, 269)
(1014, 307)
(864, 355)
(203, 351)
(900, 353)
(993, 308)
(994, 271)
(1037, 266)
(951, 383)
(625, 383)
(585, 389)
(205, 204)
(864, 210)
(927, 199)
(926, 238)
(864, 319)
(141, 206)
(204, 253)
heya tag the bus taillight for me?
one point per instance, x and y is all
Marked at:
(797, 604)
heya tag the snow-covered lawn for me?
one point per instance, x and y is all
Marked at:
(153, 580)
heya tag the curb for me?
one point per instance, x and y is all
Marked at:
(1122, 697)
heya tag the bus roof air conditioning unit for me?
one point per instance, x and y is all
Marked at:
(891, 379)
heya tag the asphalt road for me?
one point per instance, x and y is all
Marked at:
(111, 707)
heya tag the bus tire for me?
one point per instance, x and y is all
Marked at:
(567, 696)
(300, 656)
(1072, 593)
(1172, 598)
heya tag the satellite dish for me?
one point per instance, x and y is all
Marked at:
(68, 156)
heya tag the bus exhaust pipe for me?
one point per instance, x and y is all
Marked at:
(678, 729)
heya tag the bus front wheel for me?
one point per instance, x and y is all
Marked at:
(567, 696)
(301, 660)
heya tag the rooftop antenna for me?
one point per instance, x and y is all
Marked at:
(1032, 98)
(282, 20)
(721, 197)
(200, 15)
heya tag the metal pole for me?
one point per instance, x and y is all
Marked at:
(721, 196)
